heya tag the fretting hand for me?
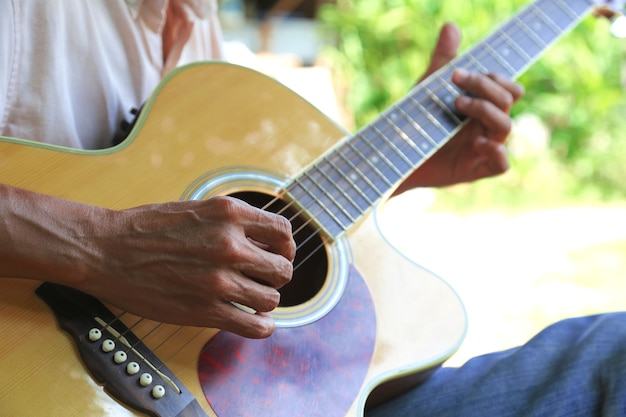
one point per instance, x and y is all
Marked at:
(477, 150)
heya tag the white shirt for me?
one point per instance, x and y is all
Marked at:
(71, 70)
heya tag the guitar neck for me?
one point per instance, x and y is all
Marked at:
(341, 187)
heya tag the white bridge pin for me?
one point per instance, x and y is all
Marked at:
(132, 368)
(95, 334)
(108, 346)
(119, 357)
(145, 379)
(158, 391)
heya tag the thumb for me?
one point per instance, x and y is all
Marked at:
(446, 48)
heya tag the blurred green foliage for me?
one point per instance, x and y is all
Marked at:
(576, 90)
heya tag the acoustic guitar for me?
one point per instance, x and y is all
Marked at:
(358, 323)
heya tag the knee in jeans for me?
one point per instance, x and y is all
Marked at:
(607, 328)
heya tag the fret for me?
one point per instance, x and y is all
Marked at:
(410, 149)
(558, 15)
(374, 168)
(342, 200)
(452, 89)
(546, 19)
(368, 172)
(330, 225)
(345, 179)
(515, 54)
(448, 93)
(449, 118)
(500, 50)
(316, 206)
(433, 111)
(535, 24)
(402, 163)
(375, 155)
(483, 56)
(578, 8)
(470, 63)
(421, 138)
(363, 168)
(568, 10)
(528, 39)
(416, 110)
(307, 198)
(361, 182)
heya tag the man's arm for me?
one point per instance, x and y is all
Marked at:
(179, 262)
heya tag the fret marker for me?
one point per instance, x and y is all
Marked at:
(449, 100)
(375, 159)
(354, 177)
(506, 52)
(393, 116)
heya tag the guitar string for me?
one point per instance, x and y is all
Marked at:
(267, 205)
(296, 232)
(502, 40)
(130, 328)
(296, 267)
(302, 227)
(143, 337)
(297, 214)
(523, 27)
(192, 359)
(156, 348)
(185, 345)
(201, 330)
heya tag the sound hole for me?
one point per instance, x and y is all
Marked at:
(311, 263)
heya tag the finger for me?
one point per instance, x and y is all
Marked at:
(235, 320)
(252, 294)
(485, 87)
(236, 287)
(270, 230)
(494, 120)
(445, 49)
(273, 232)
(493, 159)
(516, 89)
(267, 268)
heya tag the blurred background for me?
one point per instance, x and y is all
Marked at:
(546, 240)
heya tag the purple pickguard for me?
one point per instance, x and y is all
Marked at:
(312, 370)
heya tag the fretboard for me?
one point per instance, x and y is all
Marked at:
(351, 178)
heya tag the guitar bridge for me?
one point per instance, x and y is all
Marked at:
(116, 358)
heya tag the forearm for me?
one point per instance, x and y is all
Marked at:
(44, 237)
(181, 262)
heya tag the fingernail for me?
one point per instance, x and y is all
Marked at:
(481, 142)
(462, 102)
(460, 74)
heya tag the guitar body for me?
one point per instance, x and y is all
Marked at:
(204, 120)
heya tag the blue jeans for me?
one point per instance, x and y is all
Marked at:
(576, 367)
